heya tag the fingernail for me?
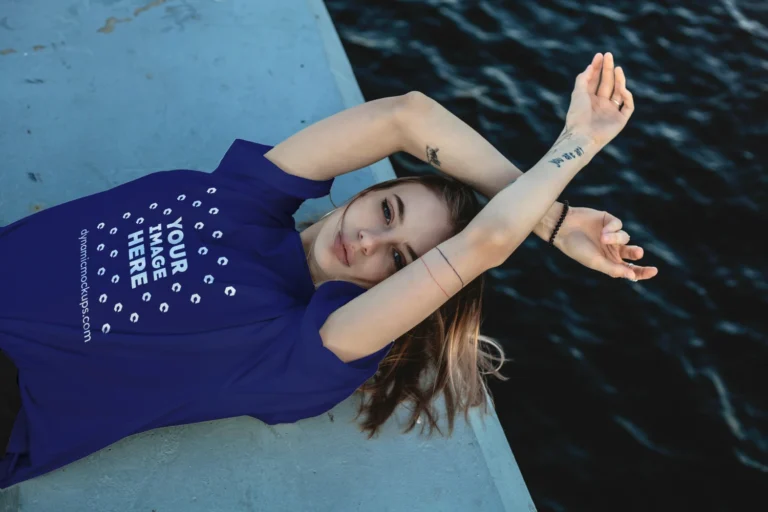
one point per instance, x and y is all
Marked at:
(631, 276)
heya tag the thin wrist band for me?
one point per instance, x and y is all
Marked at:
(449, 264)
(433, 278)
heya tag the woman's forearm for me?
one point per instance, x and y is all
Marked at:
(512, 213)
(436, 136)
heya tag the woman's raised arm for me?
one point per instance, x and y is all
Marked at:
(400, 302)
(403, 300)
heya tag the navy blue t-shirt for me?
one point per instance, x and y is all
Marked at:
(179, 297)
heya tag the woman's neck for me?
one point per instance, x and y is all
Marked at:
(308, 241)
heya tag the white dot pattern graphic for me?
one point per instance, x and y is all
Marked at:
(134, 252)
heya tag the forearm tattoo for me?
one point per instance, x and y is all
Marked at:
(565, 135)
(568, 155)
(432, 156)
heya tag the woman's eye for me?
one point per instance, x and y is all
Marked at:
(387, 212)
(399, 263)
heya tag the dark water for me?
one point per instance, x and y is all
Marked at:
(623, 396)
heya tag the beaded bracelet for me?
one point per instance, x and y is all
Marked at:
(559, 223)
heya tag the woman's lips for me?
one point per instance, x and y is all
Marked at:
(340, 250)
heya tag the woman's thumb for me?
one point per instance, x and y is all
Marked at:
(582, 79)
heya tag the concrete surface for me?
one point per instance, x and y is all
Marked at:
(96, 93)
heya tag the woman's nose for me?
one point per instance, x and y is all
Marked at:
(370, 240)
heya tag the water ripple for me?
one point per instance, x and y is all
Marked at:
(640, 436)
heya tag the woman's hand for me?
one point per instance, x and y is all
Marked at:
(596, 240)
(601, 105)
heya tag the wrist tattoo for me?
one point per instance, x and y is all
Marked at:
(432, 156)
(568, 155)
(563, 137)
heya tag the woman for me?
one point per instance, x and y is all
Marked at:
(186, 296)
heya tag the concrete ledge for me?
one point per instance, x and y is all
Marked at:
(98, 93)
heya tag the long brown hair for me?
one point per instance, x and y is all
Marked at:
(445, 353)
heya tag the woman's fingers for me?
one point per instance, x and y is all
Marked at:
(622, 91)
(619, 237)
(605, 90)
(619, 270)
(631, 252)
(613, 224)
(642, 273)
(594, 80)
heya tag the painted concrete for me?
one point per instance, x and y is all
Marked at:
(97, 93)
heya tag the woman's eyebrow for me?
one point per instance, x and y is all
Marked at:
(401, 216)
(400, 208)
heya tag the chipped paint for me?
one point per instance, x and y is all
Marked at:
(35, 176)
(38, 47)
(37, 207)
(109, 25)
(149, 6)
(7, 51)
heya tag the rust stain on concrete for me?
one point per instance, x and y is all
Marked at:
(38, 47)
(149, 6)
(7, 51)
(109, 25)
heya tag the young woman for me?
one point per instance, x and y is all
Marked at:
(186, 296)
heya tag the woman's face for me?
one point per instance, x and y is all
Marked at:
(381, 233)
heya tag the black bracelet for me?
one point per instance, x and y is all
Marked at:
(559, 223)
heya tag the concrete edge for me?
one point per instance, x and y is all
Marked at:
(490, 437)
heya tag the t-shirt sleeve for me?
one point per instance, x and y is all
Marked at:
(318, 366)
(274, 194)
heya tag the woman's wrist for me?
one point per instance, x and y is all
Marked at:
(547, 224)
